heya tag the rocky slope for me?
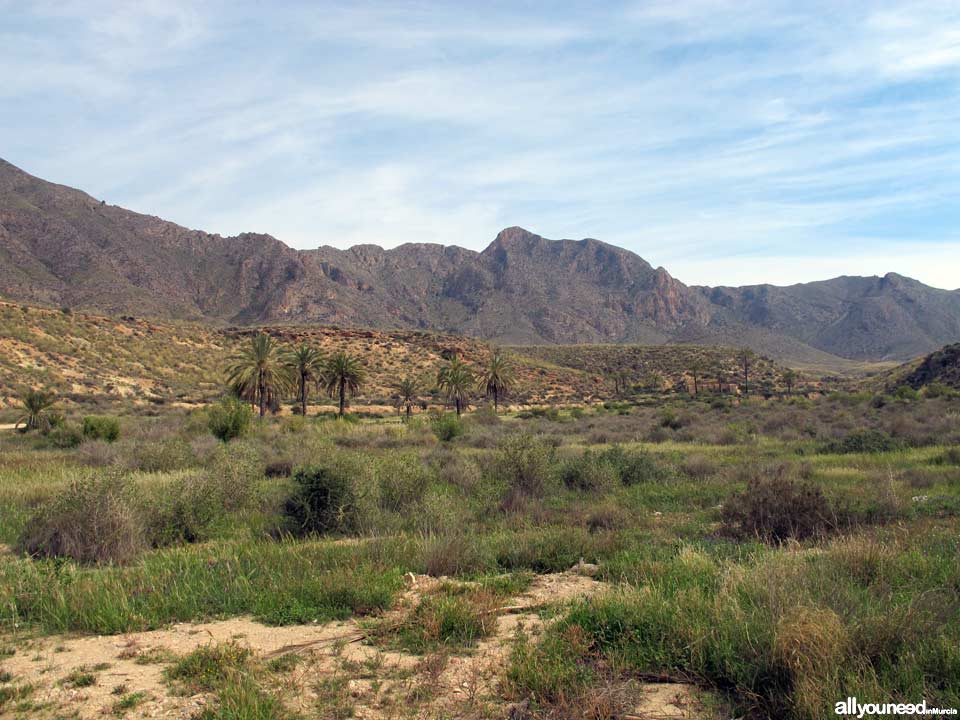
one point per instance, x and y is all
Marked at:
(61, 247)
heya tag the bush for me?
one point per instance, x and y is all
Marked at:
(864, 441)
(589, 471)
(635, 466)
(402, 480)
(92, 521)
(162, 456)
(325, 501)
(98, 427)
(523, 463)
(65, 436)
(907, 393)
(229, 418)
(182, 511)
(446, 427)
(777, 509)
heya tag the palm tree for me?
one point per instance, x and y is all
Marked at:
(408, 388)
(496, 378)
(305, 363)
(790, 378)
(38, 415)
(258, 374)
(697, 368)
(745, 357)
(342, 374)
(455, 380)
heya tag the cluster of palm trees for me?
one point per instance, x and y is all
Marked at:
(457, 382)
(263, 372)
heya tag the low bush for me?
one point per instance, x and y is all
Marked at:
(402, 481)
(229, 418)
(523, 464)
(92, 521)
(778, 508)
(65, 436)
(635, 466)
(864, 441)
(100, 427)
(325, 501)
(446, 426)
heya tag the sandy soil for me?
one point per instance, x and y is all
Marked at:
(378, 684)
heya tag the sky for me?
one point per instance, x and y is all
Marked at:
(731, 142)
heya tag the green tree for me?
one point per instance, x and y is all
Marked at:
(496, 378)
(455, 380)
(305, 363)
(342, 375)
(38, 414)
(790, 378)
(258, 373)
(408, 389)
(745, 357)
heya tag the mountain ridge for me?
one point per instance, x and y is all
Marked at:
(60, 246)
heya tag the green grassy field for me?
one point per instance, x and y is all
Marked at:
(858, 596)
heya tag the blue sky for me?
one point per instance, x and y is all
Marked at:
(731, 142)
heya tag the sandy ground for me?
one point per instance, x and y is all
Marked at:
(378, 684)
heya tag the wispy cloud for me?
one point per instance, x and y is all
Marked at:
(709, 136)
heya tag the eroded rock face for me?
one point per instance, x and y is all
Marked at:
(59, 246)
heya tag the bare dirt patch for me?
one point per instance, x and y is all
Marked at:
(315, 669)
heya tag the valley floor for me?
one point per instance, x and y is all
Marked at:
(696, 558)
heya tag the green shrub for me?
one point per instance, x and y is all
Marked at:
(65, 436)
(864, 441)
(589, 472)
(907, 393)
(523, 464)
(92, 521)
(183, 511)
(325, 501)
(634, 466)
(446, 426)
(402, 481)
(229, 418)
(162, 455)
(99, 427)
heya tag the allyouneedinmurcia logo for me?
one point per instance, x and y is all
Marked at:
(850, 706)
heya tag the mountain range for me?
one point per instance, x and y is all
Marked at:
(62, 247)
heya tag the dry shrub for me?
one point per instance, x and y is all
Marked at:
(778, 508)
(920, 478)
(699, 467)
(98, 453)
(454, 554)
(93, 521)
(810, 644)
(608, 516)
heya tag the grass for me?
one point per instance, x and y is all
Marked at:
(870, 606)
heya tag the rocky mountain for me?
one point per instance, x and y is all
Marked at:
(61, 247)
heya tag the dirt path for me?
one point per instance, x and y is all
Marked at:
(334, 666)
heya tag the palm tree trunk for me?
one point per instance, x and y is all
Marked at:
(457, 403)
(496, 401)
(263, 395)
(409, 410)
(343, 395)
(303, 394)
(696, 388)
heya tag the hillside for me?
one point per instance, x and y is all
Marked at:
(941, 366)
(61, 247)
(93, 359)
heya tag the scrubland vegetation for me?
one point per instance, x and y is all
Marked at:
(782, 554)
